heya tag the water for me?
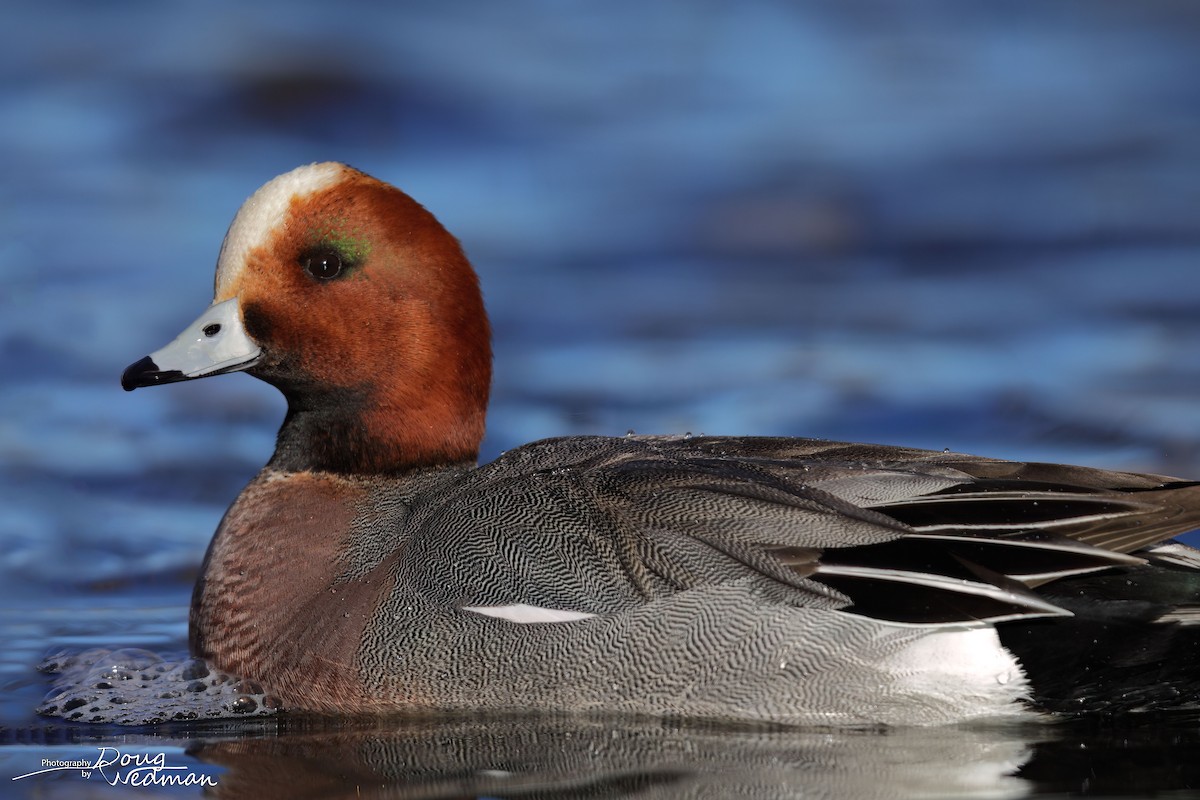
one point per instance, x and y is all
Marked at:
(936, 225)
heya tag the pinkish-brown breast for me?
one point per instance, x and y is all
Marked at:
(270, 605)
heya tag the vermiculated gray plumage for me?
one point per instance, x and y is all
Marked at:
(703, 560)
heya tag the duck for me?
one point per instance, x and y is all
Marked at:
(375, 566)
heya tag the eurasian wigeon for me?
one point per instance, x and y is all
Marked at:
(372, 566)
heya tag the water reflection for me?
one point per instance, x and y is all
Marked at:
(526, 756)
(600, 757)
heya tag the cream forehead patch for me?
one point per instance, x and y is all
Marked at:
(262, 212)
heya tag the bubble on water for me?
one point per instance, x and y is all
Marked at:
(244, 705)
(138, 687)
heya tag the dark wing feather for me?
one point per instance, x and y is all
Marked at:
(895, 533)
(1028, 521)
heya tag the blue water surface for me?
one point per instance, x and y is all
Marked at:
(965, 226)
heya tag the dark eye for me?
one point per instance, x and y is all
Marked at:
(323, 263)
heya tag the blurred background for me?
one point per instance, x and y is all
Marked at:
(947, 225)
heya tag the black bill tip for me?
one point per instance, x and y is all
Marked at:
(146, 373)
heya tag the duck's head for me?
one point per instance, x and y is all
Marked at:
(353, 300)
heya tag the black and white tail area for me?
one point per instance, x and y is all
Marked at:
(1133, 643)
(1132, 640)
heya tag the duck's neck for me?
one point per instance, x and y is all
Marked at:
(348, 433)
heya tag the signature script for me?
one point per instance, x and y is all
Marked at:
(126, 769)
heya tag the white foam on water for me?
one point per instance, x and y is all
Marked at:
(139, 687)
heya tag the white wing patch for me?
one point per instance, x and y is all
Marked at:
(525, 614)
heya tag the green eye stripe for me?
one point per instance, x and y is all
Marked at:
(352, 245)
